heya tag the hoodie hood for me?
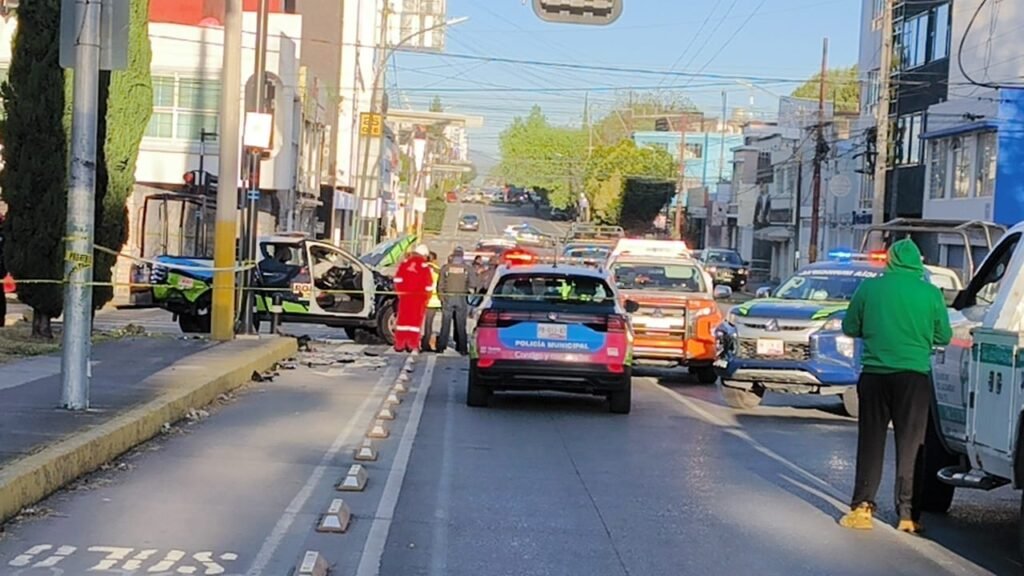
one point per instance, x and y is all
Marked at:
(904, 256)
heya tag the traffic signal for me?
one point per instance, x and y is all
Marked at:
(200, 182)
(592, 12)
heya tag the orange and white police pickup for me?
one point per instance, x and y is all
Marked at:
(677, 313)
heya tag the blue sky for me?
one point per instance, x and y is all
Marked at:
(770, 42)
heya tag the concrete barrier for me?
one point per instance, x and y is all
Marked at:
(188, 384)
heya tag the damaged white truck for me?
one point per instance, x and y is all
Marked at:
(977, 437)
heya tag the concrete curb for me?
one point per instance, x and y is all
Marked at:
(188, 384)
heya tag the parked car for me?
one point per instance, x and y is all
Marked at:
(528, 235)
(552, 328)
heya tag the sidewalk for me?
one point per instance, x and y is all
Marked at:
(137, 385)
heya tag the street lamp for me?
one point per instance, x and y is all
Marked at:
(363, 195)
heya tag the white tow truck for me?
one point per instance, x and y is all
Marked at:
(977, 437)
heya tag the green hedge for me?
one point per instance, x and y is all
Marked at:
(433, 220)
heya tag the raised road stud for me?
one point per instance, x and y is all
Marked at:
(366, 452)
(403, 377)
(378, 430)
(355, 480)
(393, 399)
(312, 564)
(400, 388)
(386, 413)
(336, 519)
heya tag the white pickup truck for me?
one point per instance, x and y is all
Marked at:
(977, 440)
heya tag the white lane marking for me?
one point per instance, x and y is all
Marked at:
(439, 546)
(358, 420)
(373, 551)
(933, 551)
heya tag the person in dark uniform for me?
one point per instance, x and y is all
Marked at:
(3, 274)
(456, 280)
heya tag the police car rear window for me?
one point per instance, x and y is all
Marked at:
(552, 288)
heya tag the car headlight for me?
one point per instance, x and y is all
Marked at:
(712, 269)
(833, 325)
(846, 346)
(731, 317)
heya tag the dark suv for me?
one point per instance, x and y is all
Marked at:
(727, 267)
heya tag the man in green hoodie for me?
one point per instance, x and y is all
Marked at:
(899, 317)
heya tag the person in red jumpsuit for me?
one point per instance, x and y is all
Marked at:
(414, 283)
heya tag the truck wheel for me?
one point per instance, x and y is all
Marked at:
(621, 402)
(851, 402)
(477, 396)
(739, 399)
(705, 374)
(195, 323)
(386, 322)
(930, 493)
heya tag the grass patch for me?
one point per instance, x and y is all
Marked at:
(16, 341)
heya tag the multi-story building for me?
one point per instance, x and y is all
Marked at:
(921, 48)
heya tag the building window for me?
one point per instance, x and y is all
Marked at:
(695, 151)
(941, 37)
(906, 144)
(985, 167)
(183, 108)
(937, 156)
(961, 161)
(874, 89)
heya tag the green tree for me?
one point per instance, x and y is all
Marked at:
(610, 166)
(537, 154)
(33, 179)
(841, 86)
(435, 105)
(128, 107)
(639, 112)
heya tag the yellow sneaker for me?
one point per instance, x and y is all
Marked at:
(859, 518)
(910, 527)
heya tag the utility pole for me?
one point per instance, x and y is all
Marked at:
(81, 219)
(721, 144)
(255, 160)
(364, 226)
(799, 206)
(680, 228)
(225, 230)
(820, 149)
(882, 118)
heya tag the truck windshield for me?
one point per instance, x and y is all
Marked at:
(659, 277)
(823, 285)
(724, 257)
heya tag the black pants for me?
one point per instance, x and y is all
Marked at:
(454, 309)
(428, 328)
(3, 301)
(905, 399)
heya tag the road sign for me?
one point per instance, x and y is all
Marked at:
(113, 33)
(370, 124)
(594, 12)
(840, 185)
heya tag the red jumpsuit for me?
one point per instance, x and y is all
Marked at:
(414, 283)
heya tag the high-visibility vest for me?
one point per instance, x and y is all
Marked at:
(435, 299)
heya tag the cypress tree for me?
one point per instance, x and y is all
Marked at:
(33, 179)
(126, 107)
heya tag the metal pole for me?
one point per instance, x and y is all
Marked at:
(81, 218)
(819, 154)
(799, 206)
(226, 227)
(255, 160)
(882, 119)
(680, 229)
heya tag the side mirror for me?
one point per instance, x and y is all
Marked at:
(950, 296)
(763, 292)
(632, 306)
(723, 292)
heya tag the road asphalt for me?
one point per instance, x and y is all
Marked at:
(534, 484)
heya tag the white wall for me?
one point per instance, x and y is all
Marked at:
(360, 32)
(992, 50)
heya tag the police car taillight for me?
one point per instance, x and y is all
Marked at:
(489, 319)
(616, 323)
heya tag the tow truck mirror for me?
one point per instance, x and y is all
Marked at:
(723, 292)
(632, 306)
(763, 292)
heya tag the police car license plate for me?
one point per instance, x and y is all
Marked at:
(552, 332)
(768, 347)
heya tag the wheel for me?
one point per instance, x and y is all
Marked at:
(930, 493)
(739, 399)
(386, 322)
(621, 402)
(195, 323)
(705, 374)
(477, 395)
(851, 402)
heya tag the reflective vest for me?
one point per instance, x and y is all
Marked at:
(435, 300)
